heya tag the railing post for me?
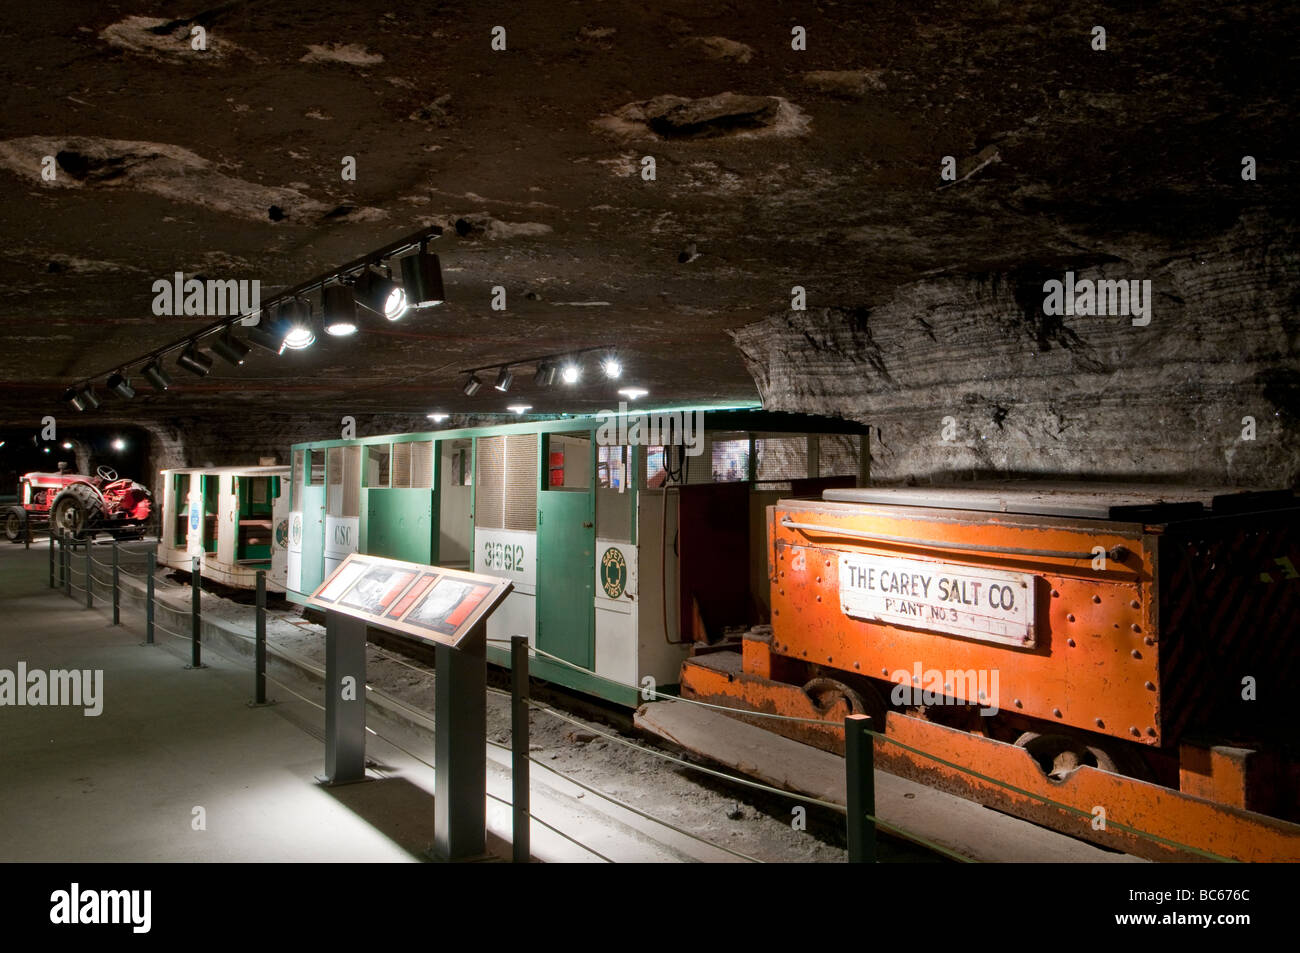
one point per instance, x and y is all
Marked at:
(117, 593)
(51, 559)
(151, 567)
(196, 576)
(27, 525)
(259, 686)
(90, 586)
(860, 771)
(65, 566)
(519, 747)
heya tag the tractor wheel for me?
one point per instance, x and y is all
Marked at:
(75, 510)
(15, 524)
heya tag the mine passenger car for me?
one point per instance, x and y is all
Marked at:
(623, 551)
(234, 519)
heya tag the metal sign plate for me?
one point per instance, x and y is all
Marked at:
(986, 604)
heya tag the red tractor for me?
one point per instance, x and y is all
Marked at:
(76, 505)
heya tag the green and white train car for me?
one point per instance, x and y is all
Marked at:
(234, 519)
(626, 543)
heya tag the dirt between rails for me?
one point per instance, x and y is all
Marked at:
(756, 823)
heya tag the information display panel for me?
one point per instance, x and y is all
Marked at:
(428, 602)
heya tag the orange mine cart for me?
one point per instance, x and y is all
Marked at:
(1114, 662)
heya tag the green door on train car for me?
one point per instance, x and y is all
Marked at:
(312, 504)
(566, 551)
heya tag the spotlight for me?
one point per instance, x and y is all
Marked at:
(119, 444)
(632, 393)
(230, 349)
(571, 373)
(46, 449)
(381, 294)
(422, 278)
(67, 445)
(195, 361)
(120, 386)
(264, 336)
(158, 378)
(339, 307)
(293, 324)
(72, 397)
(520, 408)
(437, 418)
(89, 399)
(472, 384)
(545, 375)
(504, 379)
(612, 367)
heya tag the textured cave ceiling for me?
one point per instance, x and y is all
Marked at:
(775, 167)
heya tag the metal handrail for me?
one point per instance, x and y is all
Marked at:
(1115, 552)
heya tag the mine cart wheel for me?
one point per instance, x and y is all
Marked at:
(1058, 756)
(74, 509)
(835, 701)
(15, 525)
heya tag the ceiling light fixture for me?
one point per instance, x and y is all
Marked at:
(293, 323)
(632, 393)
(195, 361)
(381, 294)
(437, 418)
(571, 373)
(158, 378)
(230, 349)
(471, 385)
(612, 367)
(503, 380)
(89, 399)
(119, 385)
(520, 408)
(264, 336)
(339, 309)
(545, 375)
(422, 278)
(72, 397)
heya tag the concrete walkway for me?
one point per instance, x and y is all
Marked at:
(127, 784)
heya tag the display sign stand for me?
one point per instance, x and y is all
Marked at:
(448, 608)
(345, 699)
(460, 749)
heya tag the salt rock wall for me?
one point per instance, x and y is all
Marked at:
(964, 376)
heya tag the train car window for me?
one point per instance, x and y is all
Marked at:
(521, 482)
(295, 479)
(422, 464)
(781, 459)
(316, 462)
(401, 465)
(613, 501)
(180, 507)
(459, 470)
(378, 458)
(489, 488)
(730, 459)
(838, 454)
(568, 462)
(342, 491)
